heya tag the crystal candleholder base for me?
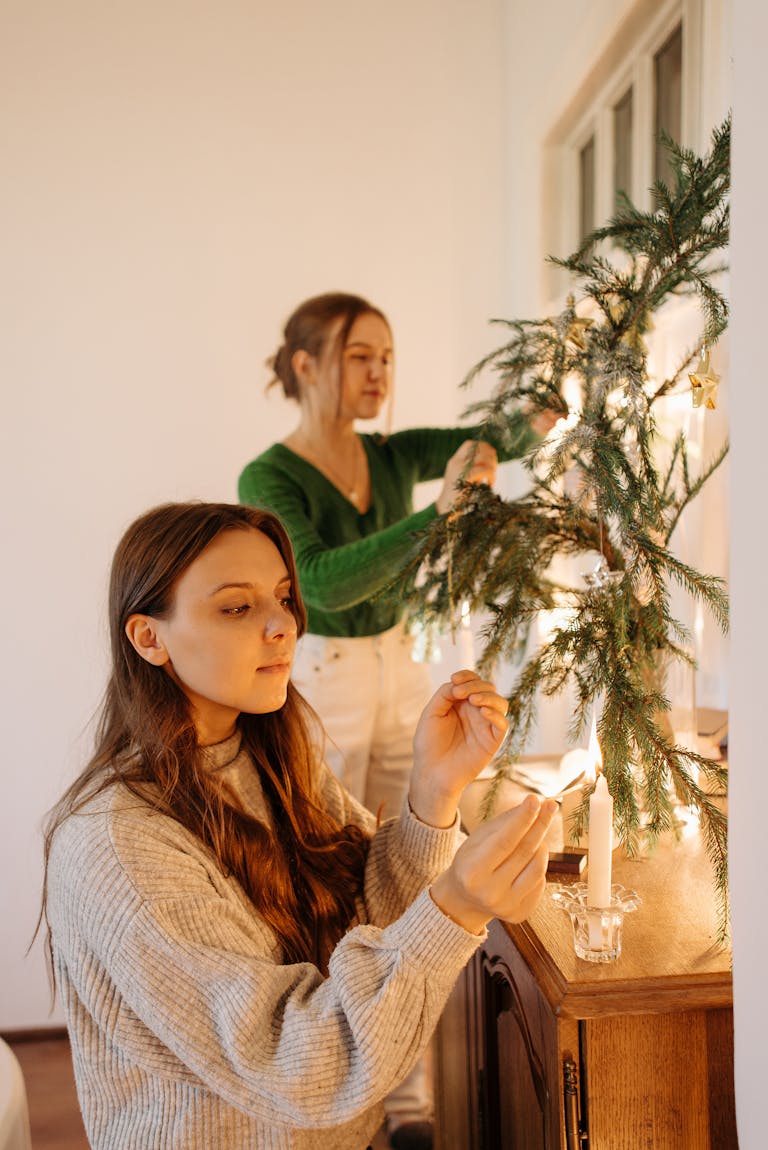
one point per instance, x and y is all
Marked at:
(596, 930)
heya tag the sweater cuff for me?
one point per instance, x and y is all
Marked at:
(428, 936)
(420, 840)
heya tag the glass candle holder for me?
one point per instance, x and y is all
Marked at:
(596, 930)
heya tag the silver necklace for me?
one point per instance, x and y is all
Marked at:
(350, 491)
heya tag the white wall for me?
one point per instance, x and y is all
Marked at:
(176, 177)
(749, 637)
(551, 48)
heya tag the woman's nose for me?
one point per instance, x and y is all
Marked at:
(280, 623)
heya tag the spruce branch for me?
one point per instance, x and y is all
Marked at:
(598, 488)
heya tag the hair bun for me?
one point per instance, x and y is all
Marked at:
(280, 363)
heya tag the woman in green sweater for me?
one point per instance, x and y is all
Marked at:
(346, 499)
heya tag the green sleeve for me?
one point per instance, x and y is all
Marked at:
(332, 579)
(353, 569)
(430, 448)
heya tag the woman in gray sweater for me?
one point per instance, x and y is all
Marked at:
(245, 958)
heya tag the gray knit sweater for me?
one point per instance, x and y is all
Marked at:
(188, 1030)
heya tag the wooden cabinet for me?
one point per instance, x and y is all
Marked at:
(539, 1050)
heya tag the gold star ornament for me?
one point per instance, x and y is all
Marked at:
(704, 381)
(577, 326)
(577, 329)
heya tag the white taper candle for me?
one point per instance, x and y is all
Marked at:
(465, 640)
(600, 845)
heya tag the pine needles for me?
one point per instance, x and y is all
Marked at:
(598, 488)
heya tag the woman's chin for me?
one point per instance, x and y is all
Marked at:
(268, 701)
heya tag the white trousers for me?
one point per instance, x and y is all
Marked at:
(369, 694)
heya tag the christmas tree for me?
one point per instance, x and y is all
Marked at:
(598, 491)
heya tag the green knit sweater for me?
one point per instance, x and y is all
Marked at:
(345, 558)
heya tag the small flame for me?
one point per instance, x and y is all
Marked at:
(465, 614)
(572, 395)
(595, 754)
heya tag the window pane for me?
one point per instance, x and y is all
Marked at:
(622, 146)
(587, 188)
(669, 98)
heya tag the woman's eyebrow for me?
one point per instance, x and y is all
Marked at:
(239, 586)
(245, 586)
(365, 344)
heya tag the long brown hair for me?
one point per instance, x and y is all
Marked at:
(304, 874)
(308, 328)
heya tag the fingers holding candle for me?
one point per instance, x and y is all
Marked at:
(499, 872)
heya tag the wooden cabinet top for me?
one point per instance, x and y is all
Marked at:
(670, 959)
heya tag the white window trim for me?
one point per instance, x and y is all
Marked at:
(628, 60)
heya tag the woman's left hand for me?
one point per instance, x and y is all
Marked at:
(459, 732)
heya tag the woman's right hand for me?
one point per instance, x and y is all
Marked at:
(474, 462)
(500, 870)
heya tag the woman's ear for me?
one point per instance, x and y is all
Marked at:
(143, 635)
(304, 366)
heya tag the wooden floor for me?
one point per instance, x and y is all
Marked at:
(53, 1111)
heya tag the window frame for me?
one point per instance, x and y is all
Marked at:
(628, 62)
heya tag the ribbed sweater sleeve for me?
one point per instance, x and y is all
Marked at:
(182, 1014)
(430, 448)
